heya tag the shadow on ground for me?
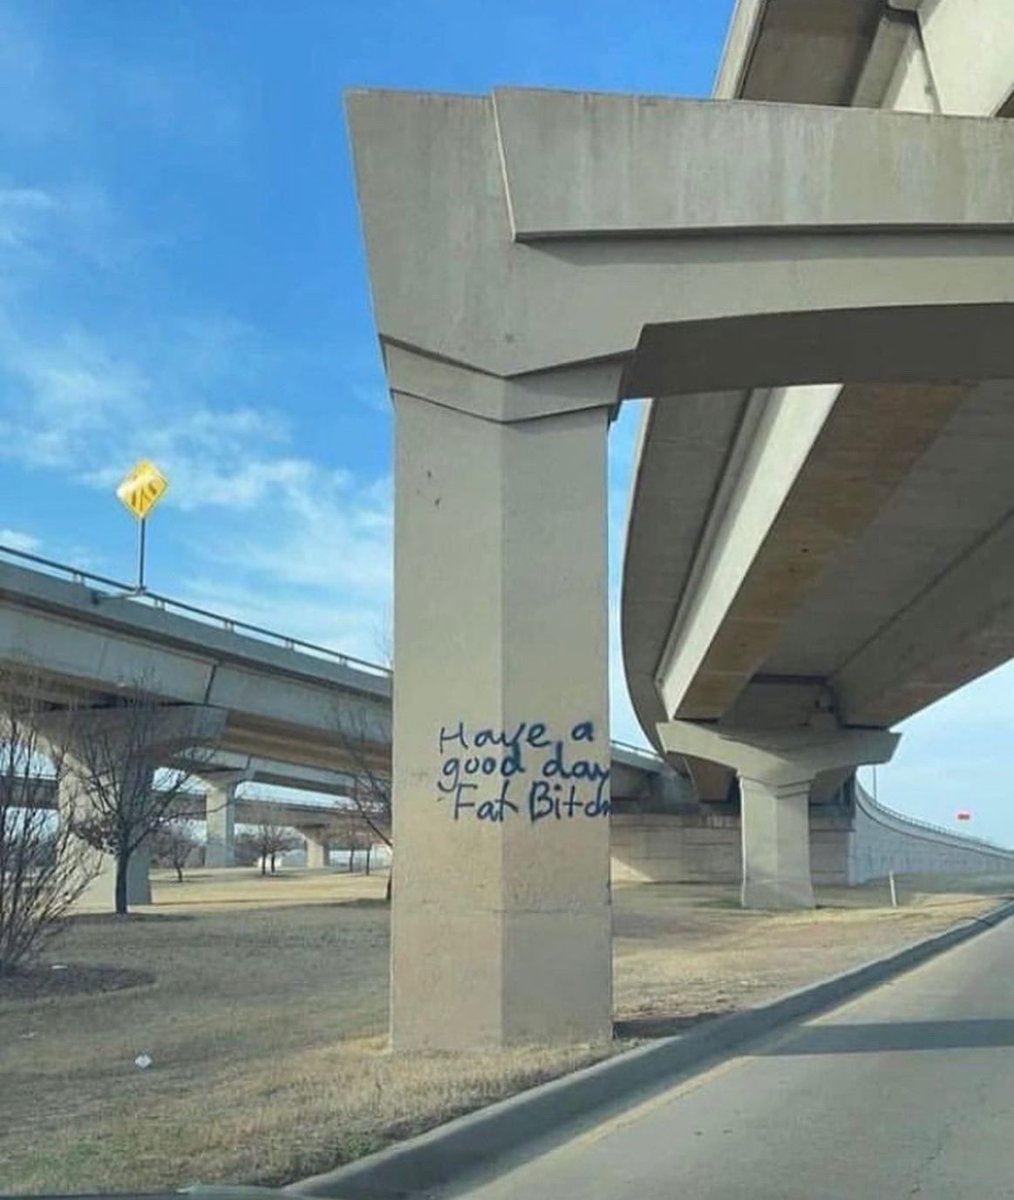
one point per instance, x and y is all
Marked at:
(130, 918)
(659, 1025)
(876, 1038)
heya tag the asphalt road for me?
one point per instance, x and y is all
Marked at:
(906, 1091)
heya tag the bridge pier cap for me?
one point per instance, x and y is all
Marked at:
(535, 257)
(776, 770)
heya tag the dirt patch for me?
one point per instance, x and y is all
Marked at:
(70, 979)
(680, 951)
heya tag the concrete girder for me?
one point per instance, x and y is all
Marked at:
(955, 631)
(968, 52)
(814, 487)
(794, 49)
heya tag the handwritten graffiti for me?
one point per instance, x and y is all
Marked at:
(526, 771)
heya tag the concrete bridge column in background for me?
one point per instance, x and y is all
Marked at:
(74, 802)
(318, 848)
(121, 740)
(220, 816)
(776, 770)
(501, 906)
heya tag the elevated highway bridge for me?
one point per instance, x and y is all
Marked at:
(807, 564)
(293, 714)
(812, 277)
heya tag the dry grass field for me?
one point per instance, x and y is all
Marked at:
(262, 1004)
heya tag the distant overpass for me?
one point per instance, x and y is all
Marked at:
(85, 636)
(247, 810)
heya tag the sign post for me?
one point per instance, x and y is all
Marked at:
(140, 490)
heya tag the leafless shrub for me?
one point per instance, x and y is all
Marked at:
(267, 838)
(369, 798)
(43, 867)
(175, 843)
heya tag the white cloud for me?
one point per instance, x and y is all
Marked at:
(307, 546)
(18, 540)
(72, 404)
(277, 537)
(64, 399)
(355, 623)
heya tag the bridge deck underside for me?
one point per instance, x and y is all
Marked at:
(885, 581)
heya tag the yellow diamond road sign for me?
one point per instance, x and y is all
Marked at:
(142, 488)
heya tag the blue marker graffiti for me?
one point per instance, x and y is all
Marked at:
(481, 772)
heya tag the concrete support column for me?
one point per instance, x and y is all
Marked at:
(220, 816)
(138, 877)
(501, 904)
(775, 828)
(776, 770)
(101, 889)
(124, 745)
(220, 824)
(318, 848)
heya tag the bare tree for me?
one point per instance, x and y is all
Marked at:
(349, 832)
(43, 867)
(368, 757)
(368, 842)
(175, 842)
(246, 849)
(268, 837)
(125, 794)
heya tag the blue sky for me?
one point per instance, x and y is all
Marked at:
(182, 277)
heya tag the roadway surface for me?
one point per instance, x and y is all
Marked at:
(906, 1091)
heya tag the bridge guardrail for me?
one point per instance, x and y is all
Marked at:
(640, 751)
(869, 802)
(168, 604)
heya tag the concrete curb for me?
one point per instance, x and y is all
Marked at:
(470, 1143)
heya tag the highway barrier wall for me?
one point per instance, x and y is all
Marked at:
(847, 845)
(881, 840)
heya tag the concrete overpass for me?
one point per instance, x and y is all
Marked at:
(221, 813)
(296, 715)
(84, 640)
(836, 557)
(248, 810)
(806, 563)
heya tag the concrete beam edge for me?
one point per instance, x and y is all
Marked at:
(468, 1145)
